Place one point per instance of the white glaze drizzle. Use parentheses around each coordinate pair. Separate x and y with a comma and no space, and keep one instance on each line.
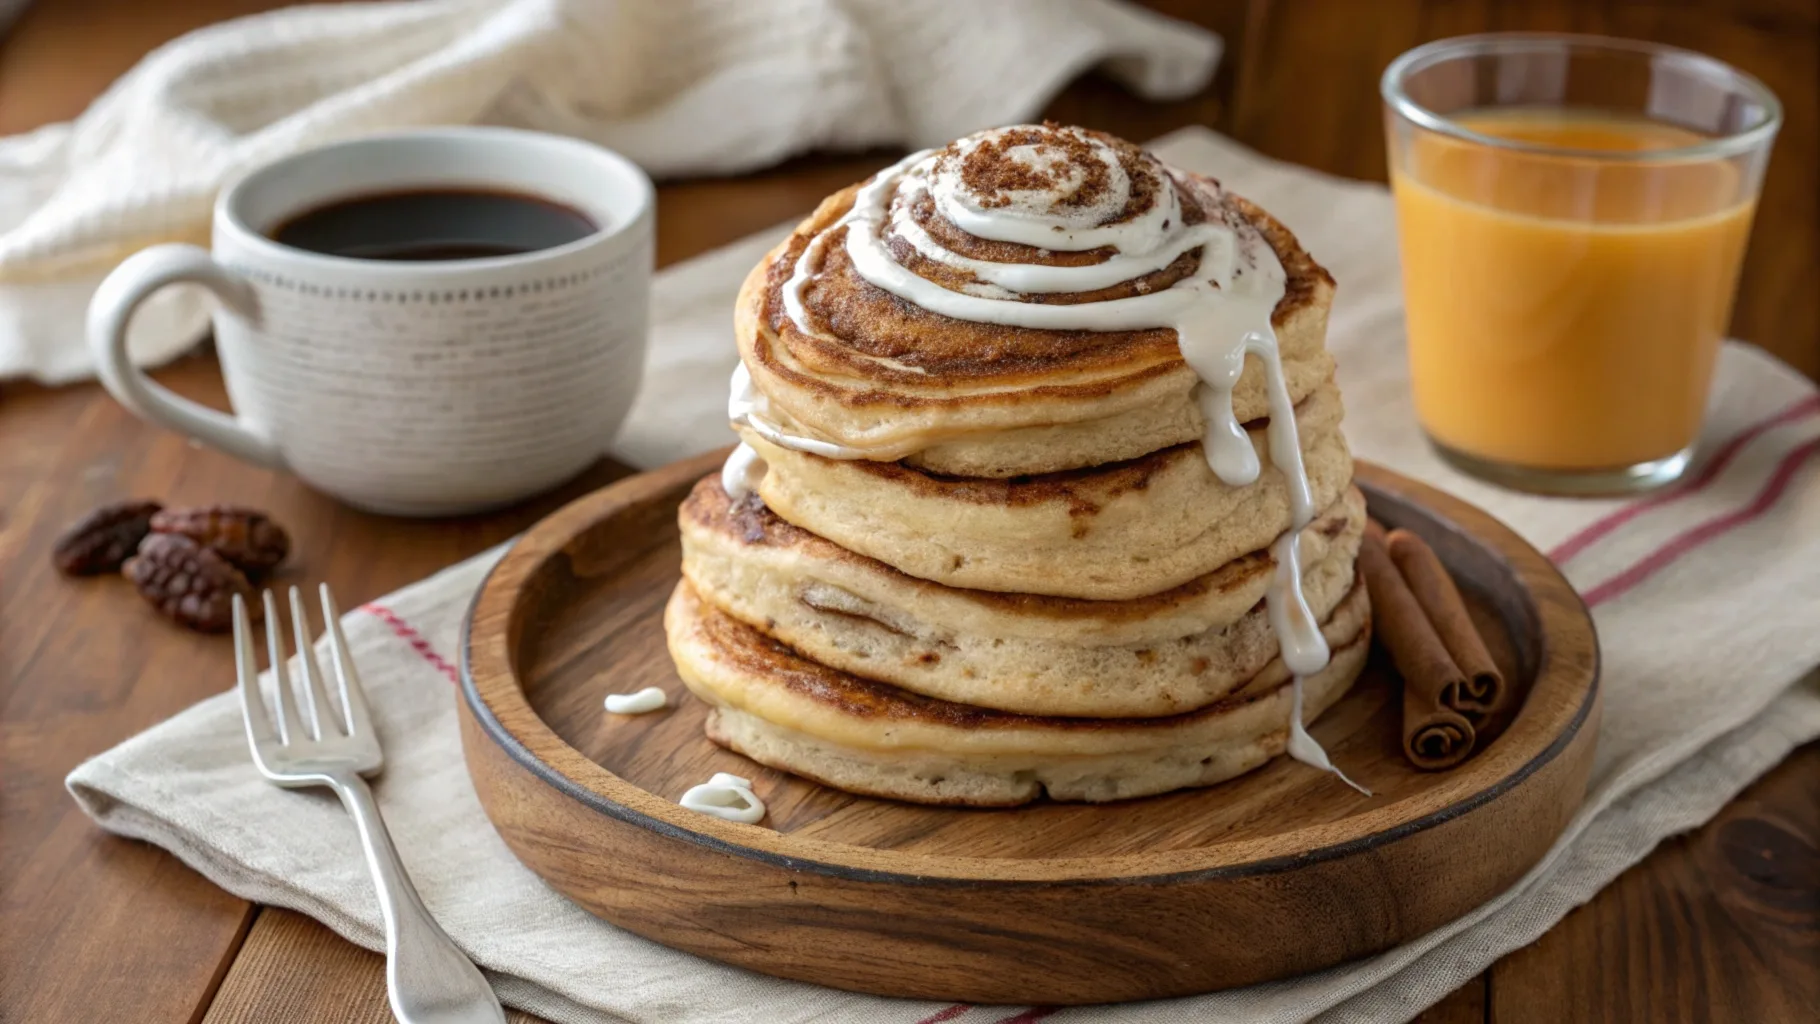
(1306,748)
(1040,279)
(1220,314)
(745,469)
(741,473)
(725,796)
(746,406)
(651,698)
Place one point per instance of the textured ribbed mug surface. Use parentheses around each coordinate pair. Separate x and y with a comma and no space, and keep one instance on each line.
(447,393)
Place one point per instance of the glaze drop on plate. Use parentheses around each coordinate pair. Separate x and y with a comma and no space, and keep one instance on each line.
(726,796)
(651,698)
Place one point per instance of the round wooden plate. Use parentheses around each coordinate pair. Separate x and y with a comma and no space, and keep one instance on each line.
(1278,872)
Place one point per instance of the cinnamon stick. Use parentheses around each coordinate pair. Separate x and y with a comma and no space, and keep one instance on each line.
(1434,738)
(1434,735)
(1482,689)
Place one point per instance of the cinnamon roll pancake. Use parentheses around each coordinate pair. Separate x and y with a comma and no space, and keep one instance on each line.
(1111,532)
(909,374)
(1041,487)
(1163,654)
(789,712)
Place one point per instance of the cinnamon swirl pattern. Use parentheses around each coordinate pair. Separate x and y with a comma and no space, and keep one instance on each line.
(1033,370)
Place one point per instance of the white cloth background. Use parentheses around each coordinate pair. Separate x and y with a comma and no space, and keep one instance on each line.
(1706,601)
(680,86)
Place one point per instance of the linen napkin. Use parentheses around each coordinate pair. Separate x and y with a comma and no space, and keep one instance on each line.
(681,87)
(1705,599)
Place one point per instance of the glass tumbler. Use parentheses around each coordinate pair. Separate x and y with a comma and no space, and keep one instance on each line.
(1572,213)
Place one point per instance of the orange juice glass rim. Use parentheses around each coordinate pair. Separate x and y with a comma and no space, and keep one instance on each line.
(1514,43)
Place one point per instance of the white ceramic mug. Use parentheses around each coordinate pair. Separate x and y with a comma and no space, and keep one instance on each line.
(409,387)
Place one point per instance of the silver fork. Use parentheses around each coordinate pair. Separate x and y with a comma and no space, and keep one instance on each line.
(427,978)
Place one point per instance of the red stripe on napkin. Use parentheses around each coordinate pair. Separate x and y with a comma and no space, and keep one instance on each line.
(949,1014)
(1710,530)
(408,633)
(1695,484)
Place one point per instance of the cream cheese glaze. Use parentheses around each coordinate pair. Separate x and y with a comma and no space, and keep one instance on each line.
(725,796)
(747,407)
(1221,313)
(649,699)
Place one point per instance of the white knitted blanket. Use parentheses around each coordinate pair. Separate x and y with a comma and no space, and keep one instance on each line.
(680,86)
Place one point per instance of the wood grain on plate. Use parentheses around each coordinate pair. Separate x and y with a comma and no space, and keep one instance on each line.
(1052,903)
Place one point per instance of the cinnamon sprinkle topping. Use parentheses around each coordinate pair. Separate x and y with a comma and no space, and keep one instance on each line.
(991,172)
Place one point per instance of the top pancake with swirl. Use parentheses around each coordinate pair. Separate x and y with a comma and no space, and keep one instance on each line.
(837,358)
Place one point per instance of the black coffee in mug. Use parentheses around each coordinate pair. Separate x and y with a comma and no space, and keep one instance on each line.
(435,224)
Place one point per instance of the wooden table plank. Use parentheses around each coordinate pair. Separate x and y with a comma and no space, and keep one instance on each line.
(1722,924)
(294,969)
(81,668)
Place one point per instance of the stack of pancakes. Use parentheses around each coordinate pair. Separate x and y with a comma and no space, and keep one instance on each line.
(971,562)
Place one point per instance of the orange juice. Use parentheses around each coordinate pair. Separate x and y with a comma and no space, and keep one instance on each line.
(1564,309)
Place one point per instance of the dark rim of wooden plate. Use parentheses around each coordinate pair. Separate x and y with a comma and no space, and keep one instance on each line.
(546,755)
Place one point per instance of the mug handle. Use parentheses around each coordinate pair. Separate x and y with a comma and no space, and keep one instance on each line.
(131,283)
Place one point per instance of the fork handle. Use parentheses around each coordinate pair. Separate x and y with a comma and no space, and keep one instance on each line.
(428,979)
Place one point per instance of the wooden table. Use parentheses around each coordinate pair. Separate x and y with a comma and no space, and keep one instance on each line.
(1722,924)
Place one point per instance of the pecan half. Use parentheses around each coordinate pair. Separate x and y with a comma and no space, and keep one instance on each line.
(246,537)
(188,582)
(104,539)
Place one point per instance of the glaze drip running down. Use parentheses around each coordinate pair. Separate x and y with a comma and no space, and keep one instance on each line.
(746,407)
(742,472)
(1050,214)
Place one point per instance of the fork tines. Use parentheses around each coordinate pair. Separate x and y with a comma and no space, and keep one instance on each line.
(325,719)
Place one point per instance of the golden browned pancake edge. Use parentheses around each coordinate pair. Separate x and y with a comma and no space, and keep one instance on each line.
(1156,655)
(872,738)
(995,401)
